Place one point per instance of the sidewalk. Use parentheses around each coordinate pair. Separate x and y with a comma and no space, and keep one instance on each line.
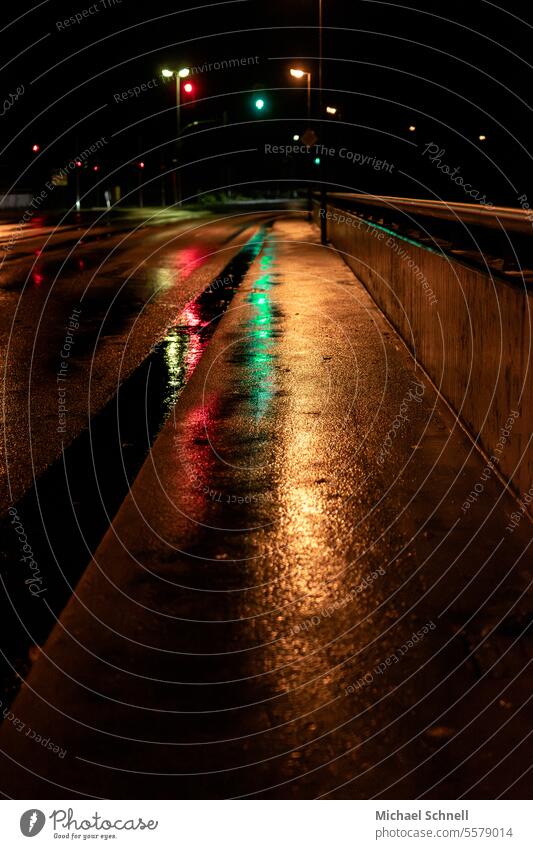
(291,602)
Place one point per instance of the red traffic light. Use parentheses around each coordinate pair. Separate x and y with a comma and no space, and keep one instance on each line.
(79,163)
(96,167)
(36,148)
(188,88)
(141,164)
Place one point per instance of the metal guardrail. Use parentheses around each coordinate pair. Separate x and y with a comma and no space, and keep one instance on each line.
(478,236)
(519,220)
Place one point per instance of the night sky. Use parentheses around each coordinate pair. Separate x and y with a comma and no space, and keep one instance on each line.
(454,71)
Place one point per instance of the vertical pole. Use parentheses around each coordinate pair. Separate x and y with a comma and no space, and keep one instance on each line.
(309,184)
(225,120)
(163,177)
(320,47)
(178,140)
(321,123)
(78,200)
(140,174)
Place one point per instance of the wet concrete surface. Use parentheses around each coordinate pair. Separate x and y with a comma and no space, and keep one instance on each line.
(291,603)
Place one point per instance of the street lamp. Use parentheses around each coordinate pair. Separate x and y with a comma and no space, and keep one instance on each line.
(298,73)
(482,137)
(178,76)
(412,128)
(183,72)
(331,110)
(322,164)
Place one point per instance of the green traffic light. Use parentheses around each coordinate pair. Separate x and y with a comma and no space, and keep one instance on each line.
(317,160)
(259,103)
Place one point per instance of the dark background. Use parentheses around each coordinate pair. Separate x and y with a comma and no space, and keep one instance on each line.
(455,70)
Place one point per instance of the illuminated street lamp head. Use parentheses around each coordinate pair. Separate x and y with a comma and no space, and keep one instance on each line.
(331,110)
(296,137)
(183,72)
(412,128)
(259,103)
(298,73)
(482,137)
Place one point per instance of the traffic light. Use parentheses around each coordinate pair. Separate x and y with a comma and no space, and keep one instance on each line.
(188,88)
(259,103)
(36,148)
(141,164)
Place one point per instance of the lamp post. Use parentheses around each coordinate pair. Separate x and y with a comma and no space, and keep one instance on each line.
(178,76)
(323,193)
(298,73)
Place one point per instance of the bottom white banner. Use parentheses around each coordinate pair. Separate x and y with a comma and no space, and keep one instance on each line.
(267,824)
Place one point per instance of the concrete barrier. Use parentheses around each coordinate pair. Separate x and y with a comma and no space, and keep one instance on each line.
(471,332)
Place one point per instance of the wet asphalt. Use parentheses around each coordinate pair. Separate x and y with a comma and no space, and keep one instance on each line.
(290,603)
(103,293)
(77,436)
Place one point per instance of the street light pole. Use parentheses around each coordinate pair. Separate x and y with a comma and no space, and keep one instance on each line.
(225,119)
(320,47)
(176,174)
(299,73)
(322,166)
(177,185)
(309,188)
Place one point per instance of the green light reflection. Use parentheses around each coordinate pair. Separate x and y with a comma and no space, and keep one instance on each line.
(259,349)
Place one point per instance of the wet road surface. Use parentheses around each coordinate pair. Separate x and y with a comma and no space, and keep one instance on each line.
(68,508)
(290,603)
(98,307)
